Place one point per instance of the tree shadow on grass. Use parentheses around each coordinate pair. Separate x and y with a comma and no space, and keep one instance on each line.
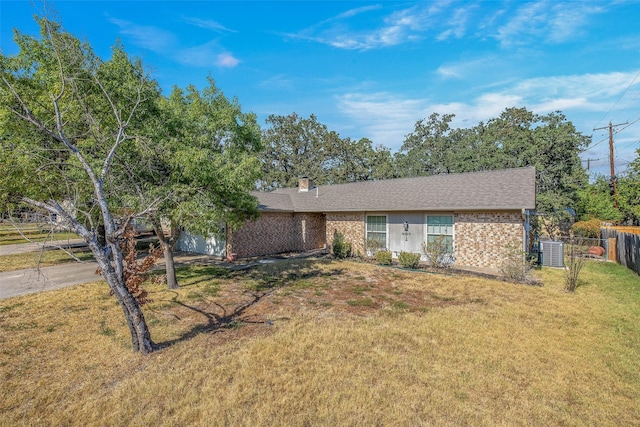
(216,322)
(259,283)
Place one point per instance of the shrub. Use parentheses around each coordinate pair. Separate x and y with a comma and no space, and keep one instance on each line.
(341,248)
(438,252)
(590,228)
(372,247)
(515,265)
(409,259)
(574,260)
(384,257)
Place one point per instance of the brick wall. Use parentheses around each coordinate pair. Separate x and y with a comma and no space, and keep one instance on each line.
(351,225)
(481,237)
(275,232)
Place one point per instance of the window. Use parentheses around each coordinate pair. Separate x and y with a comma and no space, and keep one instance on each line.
(440,225)
(377,230)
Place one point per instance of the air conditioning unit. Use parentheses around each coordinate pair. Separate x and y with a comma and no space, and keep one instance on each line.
(552,253)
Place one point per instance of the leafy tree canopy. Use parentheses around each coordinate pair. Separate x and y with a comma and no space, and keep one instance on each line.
(516,138)
(296,147)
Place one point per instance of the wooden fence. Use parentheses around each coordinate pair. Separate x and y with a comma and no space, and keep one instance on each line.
(627,245)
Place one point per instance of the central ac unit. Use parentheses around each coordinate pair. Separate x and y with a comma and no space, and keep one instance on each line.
(552,253)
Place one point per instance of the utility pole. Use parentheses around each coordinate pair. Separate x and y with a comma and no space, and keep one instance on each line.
(589,163)
(613,172)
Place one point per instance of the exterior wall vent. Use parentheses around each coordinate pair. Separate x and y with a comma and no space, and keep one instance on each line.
(552,253)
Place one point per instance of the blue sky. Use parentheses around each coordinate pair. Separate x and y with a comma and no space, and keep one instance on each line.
(372,69)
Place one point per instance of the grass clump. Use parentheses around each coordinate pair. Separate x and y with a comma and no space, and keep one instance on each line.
(361,302)
(40,259)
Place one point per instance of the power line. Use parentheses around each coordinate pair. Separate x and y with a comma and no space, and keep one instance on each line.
(594,145)
(589,163)
(612,160)
(615,133)
(619,98)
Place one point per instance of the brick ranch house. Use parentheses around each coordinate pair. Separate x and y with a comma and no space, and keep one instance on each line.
(480,213)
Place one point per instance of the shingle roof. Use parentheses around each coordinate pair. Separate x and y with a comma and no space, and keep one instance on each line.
(273,201)
(507,189)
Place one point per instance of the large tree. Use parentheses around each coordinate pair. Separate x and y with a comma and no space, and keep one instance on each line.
(516,138)
(430,149)
(296,147)
(65,114)
(597,199)
(201,166)
(629,192)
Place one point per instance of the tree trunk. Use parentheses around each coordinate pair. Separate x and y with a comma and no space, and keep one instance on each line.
(140,336)
(167,249)
(172,281)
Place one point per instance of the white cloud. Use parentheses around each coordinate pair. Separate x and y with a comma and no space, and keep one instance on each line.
(277,82)
(457,24)
(357,11)
(469,69)
(146,36)
(227,60)
(396,28)
(208,24)
(164,42)
(207,55)
(387,118)
(546,21)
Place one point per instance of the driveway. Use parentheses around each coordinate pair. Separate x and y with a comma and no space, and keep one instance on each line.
(22,282)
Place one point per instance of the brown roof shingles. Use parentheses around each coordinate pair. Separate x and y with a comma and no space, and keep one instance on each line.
(508,189)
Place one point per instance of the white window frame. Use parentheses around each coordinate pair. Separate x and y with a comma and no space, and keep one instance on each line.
(386,228)
(452,234)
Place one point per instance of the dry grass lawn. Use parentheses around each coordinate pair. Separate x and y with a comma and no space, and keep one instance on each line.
(33,232)
(41,259)
(330,343)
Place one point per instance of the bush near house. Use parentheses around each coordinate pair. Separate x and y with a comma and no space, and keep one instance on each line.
(437,252)
(384,257)
(515,265)
(409,259)
(589,228)
(341,248)
(373,246)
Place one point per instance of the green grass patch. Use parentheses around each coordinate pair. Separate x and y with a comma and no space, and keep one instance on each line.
(359,290)
(9,235)
(41,259)
(399,305)
(361,302)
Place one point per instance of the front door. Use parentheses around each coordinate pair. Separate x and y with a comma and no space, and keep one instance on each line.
(406,233)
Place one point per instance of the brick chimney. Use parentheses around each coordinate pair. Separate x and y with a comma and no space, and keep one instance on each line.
(304,184)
